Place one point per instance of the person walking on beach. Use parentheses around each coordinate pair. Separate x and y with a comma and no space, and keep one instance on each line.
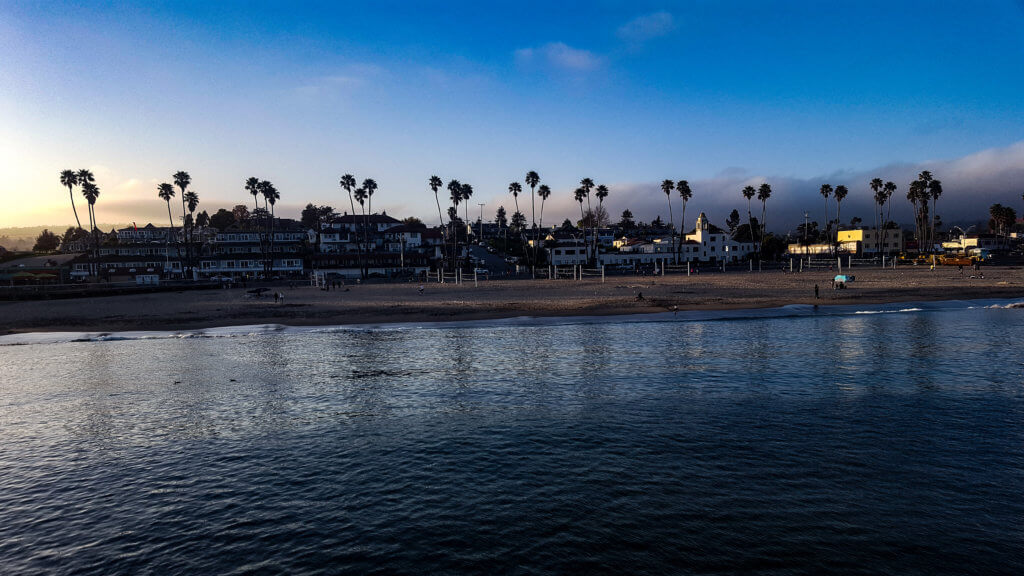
(815,291)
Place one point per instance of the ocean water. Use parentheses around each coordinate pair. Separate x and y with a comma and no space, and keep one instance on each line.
(787,441)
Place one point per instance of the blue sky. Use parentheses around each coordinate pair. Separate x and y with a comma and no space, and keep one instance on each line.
(628,93)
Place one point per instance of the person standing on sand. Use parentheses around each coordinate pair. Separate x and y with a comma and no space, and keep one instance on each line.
(815,291)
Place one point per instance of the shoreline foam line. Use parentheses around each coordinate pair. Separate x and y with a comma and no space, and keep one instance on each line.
(739,314)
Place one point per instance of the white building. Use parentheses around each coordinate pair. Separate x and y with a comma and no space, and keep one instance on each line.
(709,243)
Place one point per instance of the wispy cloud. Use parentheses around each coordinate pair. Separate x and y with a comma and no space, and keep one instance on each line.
(340,83)
(647,27)
(559,55)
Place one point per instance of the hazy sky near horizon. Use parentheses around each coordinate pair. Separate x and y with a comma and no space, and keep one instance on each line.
(722,93)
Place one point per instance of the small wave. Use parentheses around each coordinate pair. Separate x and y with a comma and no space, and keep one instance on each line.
(1007,306)
(779,313)
(901,310)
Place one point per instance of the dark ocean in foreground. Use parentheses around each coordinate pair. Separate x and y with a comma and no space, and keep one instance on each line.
(888,439)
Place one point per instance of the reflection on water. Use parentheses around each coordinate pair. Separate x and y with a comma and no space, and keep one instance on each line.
(854,443)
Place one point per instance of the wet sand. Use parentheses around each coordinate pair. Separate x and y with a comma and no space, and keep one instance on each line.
(383,303)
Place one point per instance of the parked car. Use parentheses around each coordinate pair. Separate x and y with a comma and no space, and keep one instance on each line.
(481,271)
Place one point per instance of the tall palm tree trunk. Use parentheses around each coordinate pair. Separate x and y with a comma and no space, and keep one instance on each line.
(539,226)
(271,239)
(750,223)
(366,265)
(828,228)
(682,230)
(583,223)
(167,242)
(764,227)
(672,227)
(932,245)
(440,220)
(536,230)
(73,209)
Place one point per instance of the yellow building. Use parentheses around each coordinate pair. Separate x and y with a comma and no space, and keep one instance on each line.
(866,241)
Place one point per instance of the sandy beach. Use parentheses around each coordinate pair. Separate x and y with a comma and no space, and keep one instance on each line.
(383,303)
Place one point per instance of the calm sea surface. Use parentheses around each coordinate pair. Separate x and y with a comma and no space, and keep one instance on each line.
(795,442)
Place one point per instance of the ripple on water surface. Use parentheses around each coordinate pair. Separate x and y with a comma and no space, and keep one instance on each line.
(860,443)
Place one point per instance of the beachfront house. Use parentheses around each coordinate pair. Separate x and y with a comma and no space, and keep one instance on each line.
(709,243)
(383,245)
(241,251)
(706,243)
(869,241)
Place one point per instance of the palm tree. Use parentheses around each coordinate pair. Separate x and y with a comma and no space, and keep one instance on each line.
(252,185)
(166,191)
(85,176)
(435,184)
(915,194)
(889,190)
(515,188)
(601,192)
(935,190)
(879,197)
(455,195)
(91,192)
(361,196)
(370,186)
(839,194)
(544,192)
(70,179)
(587,184)
(467,193)
(270,197)
(579,194)
(532,179)
(764,192)
(182,180)
(667,186)
(683,187)
(748,193)
(826,191)
(192,200)
(348,184)
(925,177)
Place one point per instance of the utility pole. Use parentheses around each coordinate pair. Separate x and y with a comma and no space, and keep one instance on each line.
(806,216)
(481,221)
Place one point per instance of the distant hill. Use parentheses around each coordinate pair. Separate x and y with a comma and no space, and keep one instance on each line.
(21,238)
